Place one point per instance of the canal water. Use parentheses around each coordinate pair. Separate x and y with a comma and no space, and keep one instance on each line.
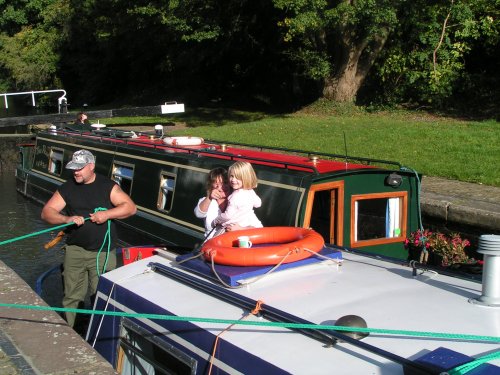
(27,257)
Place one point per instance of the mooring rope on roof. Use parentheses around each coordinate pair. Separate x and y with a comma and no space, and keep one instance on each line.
(443,335)
(459,370)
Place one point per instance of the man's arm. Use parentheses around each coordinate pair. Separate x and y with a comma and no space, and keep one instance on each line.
(123,207)
(51,212)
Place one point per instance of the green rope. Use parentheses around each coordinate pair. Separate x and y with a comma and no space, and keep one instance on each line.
(107,237)
(419,210)
(419,187)
(463,337)
(459,370)
(469,366)
(37,233)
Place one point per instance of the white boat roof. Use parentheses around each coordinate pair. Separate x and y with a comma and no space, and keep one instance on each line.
(384,294)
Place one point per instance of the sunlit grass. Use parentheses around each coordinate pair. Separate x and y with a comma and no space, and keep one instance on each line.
(434,146)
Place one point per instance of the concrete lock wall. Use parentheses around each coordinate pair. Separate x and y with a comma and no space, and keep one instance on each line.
(9,156)
(40,342)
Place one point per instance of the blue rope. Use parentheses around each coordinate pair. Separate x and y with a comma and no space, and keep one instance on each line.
(419,186)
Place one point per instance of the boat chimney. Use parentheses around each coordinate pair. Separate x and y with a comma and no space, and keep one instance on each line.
(159,130)
(489,246)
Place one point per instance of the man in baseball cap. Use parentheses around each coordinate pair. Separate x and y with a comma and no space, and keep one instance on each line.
(87,195)
(80,159)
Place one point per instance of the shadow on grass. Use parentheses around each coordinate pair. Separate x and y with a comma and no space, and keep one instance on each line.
(205,116)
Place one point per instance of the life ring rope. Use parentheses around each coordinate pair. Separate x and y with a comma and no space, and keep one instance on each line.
(336,261)
(256,310)
(242,284)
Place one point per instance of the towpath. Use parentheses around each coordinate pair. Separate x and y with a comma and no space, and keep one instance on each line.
(461,204)
(36,342)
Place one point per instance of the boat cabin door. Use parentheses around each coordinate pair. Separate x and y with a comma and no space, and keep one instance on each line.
(325,210)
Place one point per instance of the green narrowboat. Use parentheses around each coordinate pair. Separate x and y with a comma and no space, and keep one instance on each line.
(357,203)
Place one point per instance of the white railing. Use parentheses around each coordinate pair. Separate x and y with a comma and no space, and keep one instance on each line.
(62,101)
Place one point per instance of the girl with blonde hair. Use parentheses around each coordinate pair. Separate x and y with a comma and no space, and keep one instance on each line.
(243,199)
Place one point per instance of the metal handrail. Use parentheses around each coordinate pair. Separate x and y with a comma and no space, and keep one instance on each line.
(209,151)
(310,154)
(229,156)
(59,100)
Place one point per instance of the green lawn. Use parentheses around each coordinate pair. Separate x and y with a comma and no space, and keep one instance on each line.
(434,146)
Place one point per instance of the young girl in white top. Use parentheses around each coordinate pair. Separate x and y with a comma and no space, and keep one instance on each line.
(243,199)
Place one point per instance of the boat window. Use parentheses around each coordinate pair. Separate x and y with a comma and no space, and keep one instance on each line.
(166,193)
(378,218)
(123,175)
(141,352)
(56,161)
(325,211)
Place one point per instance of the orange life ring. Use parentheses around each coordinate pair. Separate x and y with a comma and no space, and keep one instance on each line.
(289,242)
(183,141)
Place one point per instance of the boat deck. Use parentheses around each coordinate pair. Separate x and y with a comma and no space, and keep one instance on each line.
(385,295)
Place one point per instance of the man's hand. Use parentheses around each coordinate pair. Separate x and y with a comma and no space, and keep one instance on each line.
(99,217)
(78,220)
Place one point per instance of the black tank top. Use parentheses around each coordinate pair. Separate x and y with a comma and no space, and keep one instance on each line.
(82,200)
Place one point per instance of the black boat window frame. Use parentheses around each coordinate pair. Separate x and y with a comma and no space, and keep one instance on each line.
(119,177)
(401,228)
(166,193)
(56,159)
(134,342)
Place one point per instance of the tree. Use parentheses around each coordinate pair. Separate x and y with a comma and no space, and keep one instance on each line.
(29,44)
(203,49)
(337,42)
(425,60)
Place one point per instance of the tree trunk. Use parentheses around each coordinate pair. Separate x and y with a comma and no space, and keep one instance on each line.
(353,67)
(344,86)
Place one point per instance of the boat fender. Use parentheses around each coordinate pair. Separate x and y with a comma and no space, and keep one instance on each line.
(183,141)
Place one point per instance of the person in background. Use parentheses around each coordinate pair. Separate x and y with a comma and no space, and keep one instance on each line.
(81,118)
(73,202)
(243,199)
(214,202)
(81,123)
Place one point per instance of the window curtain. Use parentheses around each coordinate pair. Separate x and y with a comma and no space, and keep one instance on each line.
(392,218)
(355,221)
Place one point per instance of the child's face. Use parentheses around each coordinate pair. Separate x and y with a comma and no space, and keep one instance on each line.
(235,183)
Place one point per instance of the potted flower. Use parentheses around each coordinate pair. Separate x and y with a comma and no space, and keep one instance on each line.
(418,245)
(437,248)
(449,250)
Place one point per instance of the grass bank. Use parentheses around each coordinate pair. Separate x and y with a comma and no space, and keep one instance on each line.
(434,146)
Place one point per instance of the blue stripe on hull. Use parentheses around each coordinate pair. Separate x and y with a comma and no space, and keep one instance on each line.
(185,336)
